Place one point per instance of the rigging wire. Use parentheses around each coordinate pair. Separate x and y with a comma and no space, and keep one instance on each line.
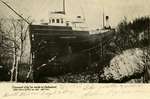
(14,11)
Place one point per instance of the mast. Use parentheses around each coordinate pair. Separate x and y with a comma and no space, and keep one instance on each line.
(64,12)
(63,9)
(103,19)
(83,14)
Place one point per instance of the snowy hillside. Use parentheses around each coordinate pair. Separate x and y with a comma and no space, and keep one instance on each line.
(128,63)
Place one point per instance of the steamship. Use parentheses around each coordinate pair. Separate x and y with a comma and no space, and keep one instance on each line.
(62,45)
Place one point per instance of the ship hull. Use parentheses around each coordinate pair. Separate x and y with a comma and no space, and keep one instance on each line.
(59,50)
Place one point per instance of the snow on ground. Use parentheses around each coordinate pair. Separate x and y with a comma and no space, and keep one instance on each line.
(130,62)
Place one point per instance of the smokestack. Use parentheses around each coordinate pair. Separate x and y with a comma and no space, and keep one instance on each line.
(107,23)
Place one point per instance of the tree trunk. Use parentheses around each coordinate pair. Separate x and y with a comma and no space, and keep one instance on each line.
(16,70)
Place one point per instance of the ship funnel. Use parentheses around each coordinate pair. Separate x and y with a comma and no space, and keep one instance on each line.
(107,26)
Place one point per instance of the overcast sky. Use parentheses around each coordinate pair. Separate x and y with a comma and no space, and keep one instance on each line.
(92,9)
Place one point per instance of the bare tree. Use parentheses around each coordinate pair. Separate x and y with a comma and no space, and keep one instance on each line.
(21,29)
(7,43)
(14,70)
(14,32)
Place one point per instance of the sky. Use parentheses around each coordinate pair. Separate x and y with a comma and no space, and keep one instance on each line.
(91,9)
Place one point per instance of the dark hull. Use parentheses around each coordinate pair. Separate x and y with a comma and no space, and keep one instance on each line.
(61,50)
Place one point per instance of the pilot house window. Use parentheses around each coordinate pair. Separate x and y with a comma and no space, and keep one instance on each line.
(53,20)
(57,20)
(62,21)
(49,20)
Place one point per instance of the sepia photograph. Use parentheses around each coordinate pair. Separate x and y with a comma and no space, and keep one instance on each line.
(75,41)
